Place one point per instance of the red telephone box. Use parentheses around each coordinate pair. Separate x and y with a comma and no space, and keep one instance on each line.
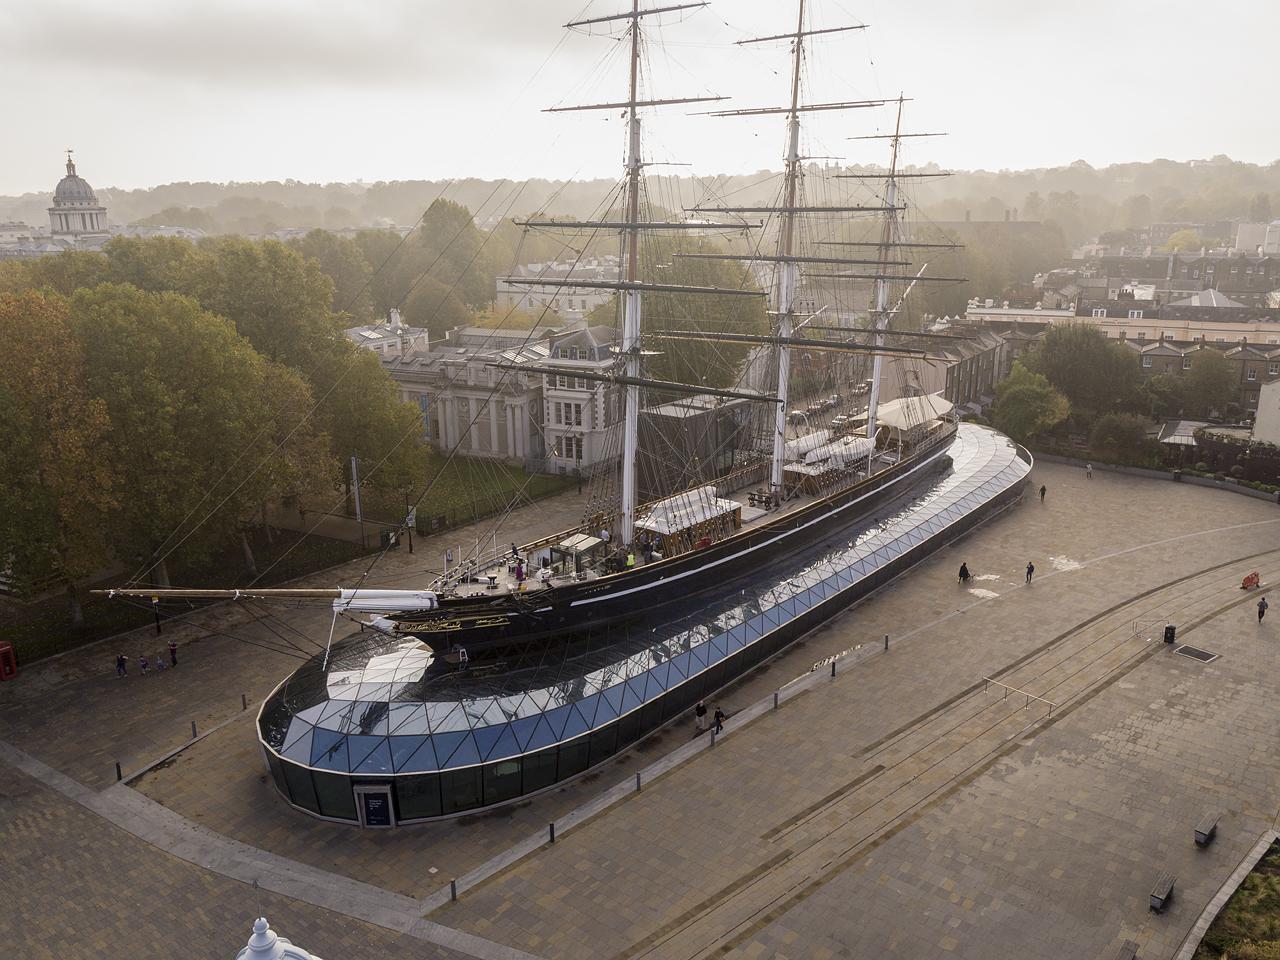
(8,661)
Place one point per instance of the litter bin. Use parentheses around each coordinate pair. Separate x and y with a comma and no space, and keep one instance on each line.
(1170,633)
(1177,475)
(8,661)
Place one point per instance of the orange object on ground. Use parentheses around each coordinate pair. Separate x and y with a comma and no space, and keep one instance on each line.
(1250,581)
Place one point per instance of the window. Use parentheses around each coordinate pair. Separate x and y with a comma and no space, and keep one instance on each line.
(1186,363)
(577,416)
(557,408)
(1251,374)
(1273,340)
(1219,339)
(1146,361)
(1135,314)
(1099,312)
(1273,369)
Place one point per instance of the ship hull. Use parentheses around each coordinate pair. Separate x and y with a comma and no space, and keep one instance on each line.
(513,620)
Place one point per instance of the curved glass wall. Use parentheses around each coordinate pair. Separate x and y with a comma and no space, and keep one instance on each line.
(385,711)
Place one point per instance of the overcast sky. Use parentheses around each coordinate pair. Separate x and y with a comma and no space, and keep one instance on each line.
(155,91)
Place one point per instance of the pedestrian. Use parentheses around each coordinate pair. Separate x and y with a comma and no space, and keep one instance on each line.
(159,662)
(122,666)
(515,552)
(1031,568)
(1043,491)
(631,559)
(173,653)
(1088,471)
(604,534)
(964,573)
(519,570)
(700,716)
(142,663)
(1262,609)
(719,718)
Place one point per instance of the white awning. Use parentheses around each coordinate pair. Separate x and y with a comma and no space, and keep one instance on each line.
(685,510)
(846,450)
(797,448)
(908,412)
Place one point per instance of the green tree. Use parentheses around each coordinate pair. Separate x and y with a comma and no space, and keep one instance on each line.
(57,481)
(344,263)
(154,263)
(1260,208)
(64,273)
(1096,374)
(1136,211)
(1164,395)
(1210,383)
(189,420)
(1026,404)
(1120,437)
(433,305)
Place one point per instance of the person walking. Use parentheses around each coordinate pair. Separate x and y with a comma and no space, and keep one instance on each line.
(700,717)
(1043,491)
(1031,568)
(173,653)
(1262,609)
(122,666)
(1088,471)
(719,718)
(964,573)
(142,663)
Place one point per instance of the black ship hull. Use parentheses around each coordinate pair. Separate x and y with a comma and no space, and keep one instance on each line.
(485,625)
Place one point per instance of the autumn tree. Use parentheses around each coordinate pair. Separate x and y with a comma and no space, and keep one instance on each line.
(58,485)
(343,262)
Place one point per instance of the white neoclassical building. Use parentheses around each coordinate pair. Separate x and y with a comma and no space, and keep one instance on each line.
(266,945)
(76,211)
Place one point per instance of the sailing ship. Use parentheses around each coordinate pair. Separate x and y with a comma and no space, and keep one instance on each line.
(649,560)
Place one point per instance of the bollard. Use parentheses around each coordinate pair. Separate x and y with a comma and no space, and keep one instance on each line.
(453,890)
(193,729)
(775,699)
(244,702)
(552,828)
(119,775)
(886,643)
(637,781)
(713,736)
(833,669)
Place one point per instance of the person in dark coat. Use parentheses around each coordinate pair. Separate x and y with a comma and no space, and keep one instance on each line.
(173,653)
(964,573)
(719,719)
(122,666)
(1031,568)
(1262,609)
(700,716)
(1043,491)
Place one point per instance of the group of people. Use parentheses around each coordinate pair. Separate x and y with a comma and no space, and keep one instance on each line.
(700,718)
(145,663)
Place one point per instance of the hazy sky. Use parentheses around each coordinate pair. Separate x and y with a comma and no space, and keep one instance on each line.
(154,91)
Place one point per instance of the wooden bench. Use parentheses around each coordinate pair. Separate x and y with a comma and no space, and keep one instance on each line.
(1162,892)
(1128,951)
(1206,828)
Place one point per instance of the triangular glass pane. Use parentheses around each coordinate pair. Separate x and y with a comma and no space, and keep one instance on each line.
(329,750)
(299,750)
(630,699)
(405,748)
(542,736)
(556,720)
(406,719)
(378,760)
(505,747)
(523,728)
(587,707)
(486,737)
(466,754)
(446,743)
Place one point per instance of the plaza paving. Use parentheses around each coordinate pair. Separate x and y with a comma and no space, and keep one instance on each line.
(902,809)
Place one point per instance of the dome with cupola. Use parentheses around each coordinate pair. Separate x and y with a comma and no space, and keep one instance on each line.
(76,210)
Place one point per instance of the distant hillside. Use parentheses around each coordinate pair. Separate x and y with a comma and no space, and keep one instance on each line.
(1081,200)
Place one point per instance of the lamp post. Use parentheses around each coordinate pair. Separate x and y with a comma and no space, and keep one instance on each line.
(410,518)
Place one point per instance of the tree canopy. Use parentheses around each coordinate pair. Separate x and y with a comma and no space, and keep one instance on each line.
(1210,384)
(1096,374)
(1026,404)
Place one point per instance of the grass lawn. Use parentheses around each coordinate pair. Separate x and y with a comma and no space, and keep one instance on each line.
(1248,928)
(467,490)
(42,629)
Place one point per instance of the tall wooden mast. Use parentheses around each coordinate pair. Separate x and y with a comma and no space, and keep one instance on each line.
(888,236)
(630,345)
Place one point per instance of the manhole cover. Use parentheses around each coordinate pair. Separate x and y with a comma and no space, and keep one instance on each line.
(1195,653)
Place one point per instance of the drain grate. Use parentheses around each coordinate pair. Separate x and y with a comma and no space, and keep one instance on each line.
(1195,653)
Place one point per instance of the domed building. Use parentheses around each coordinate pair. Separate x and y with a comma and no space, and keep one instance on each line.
(76,211)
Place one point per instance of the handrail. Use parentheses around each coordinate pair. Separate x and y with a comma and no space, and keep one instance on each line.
(1030,696)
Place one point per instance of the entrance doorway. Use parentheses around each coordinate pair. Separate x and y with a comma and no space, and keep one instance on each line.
(373,803)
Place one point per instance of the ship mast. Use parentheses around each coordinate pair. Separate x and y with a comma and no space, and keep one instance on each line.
(788,269)
(888,236)
(630,345)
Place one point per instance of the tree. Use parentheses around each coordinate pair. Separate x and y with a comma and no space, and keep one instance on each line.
(64,273)
(57,481)
(154,263)
(1136,211)
(434,306)
(1185,240)
(344,263)
(1164,395)
(1026,404)
(1096,374)
(1120,437)
(1210,383)
(190,421)
(1260,208)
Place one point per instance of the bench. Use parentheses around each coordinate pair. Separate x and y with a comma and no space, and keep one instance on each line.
(1206,828)
(1162,892)
(1128,951)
